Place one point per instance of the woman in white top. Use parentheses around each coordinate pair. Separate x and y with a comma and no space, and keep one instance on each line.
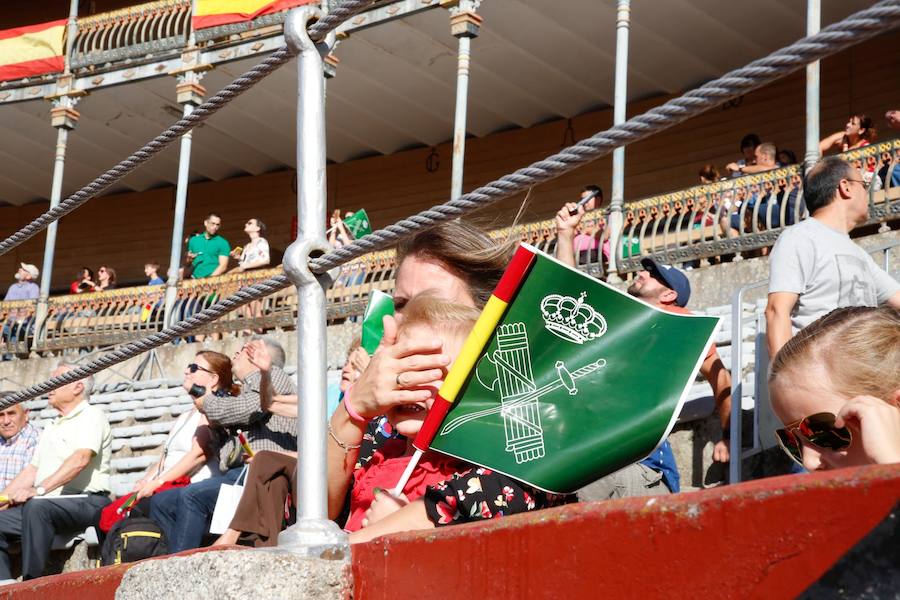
(187,452)
(253,256)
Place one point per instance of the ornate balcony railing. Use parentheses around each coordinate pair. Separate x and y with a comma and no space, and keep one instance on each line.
(135,32)
(727,217)
(745,213)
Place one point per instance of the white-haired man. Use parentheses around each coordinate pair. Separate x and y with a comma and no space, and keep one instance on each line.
(65,485)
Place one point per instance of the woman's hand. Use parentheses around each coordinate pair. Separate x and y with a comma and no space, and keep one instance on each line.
(395,370)
(878,424)
(146,490)
(385,503)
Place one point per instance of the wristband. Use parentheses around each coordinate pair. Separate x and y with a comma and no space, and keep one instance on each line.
(726,434)
(354,416)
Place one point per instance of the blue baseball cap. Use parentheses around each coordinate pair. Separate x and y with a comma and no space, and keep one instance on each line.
(672,278)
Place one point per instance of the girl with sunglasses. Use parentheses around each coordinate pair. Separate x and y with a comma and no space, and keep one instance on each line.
(836,387)
(188,454)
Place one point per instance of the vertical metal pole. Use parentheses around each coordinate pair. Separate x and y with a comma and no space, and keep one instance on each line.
(623,22)
(464,25)
(813,24)
(314,534)
(63,116)
(189,93)
(459,122)
(181,187)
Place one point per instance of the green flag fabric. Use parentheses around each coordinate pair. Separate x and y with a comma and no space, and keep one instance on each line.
(380,304)
(577,381)
(358,224)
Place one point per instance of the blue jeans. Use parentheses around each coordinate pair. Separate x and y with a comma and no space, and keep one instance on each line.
(184,513)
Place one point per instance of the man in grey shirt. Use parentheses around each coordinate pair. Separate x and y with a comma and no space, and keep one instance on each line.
(815,267)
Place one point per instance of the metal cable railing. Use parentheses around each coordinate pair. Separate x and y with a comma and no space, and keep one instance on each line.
(858,27)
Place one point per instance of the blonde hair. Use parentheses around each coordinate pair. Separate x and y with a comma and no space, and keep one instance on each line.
(446,317)
(853,347)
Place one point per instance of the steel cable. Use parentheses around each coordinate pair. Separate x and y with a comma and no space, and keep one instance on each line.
(856,28)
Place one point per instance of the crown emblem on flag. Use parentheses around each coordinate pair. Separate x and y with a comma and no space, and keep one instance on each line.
(571,318)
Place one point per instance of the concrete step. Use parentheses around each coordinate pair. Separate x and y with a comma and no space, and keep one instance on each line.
(127,432)
(118,417)
(132,463)
(146,442)
(145,414)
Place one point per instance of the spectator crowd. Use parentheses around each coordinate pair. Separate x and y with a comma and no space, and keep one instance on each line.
(833,332)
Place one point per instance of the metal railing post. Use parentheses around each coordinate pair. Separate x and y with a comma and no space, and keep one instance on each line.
(617,199)
(464,25)
(314,535)
(63,117)
(813,24)
(189,94)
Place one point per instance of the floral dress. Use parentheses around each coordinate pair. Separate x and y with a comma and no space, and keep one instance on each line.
(474,494)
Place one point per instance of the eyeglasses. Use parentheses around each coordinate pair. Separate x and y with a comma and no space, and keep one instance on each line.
(194,367)
(865,184)
(817,430)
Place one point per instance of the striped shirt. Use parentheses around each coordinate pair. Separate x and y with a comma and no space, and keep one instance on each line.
(264,430)
(16,452)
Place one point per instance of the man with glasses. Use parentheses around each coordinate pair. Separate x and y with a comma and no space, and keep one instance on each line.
(815,267)
(208,251)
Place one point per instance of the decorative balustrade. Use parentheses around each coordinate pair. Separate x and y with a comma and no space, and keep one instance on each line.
(727,217)
(135,32)
(745,213)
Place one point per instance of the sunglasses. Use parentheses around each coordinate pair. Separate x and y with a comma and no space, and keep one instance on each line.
(194,367)
(817,430)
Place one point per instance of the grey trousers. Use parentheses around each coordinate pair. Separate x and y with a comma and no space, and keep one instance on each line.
(634,480)
(36,522)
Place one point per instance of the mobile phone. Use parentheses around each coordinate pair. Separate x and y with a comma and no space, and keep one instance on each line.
(197,391)
(582,202)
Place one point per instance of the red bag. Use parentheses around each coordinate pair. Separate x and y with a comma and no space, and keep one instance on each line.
(111,515)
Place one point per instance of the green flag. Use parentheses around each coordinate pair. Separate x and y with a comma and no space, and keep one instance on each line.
(358,224)
(380,304)
(577,379)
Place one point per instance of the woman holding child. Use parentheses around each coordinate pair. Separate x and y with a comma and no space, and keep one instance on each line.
(445,275)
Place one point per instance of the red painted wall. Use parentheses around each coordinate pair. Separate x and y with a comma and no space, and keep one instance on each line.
(764,539)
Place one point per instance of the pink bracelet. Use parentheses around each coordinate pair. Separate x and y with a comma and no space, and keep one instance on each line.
(354,416)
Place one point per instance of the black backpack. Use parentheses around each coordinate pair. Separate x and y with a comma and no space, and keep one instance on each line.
(132,539)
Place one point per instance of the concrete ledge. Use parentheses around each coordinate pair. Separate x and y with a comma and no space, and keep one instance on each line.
(247,574)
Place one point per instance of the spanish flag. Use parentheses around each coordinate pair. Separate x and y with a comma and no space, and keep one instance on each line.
(212,13)
(32,50)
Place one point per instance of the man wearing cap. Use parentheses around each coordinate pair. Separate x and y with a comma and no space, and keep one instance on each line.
(25,287)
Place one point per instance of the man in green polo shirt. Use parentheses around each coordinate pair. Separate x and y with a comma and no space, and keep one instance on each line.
(65,486)
(208,251)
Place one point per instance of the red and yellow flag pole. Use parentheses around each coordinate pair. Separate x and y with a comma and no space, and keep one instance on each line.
(472,349)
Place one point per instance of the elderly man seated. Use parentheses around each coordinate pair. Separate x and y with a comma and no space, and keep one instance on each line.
(66,483)
(18,439)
